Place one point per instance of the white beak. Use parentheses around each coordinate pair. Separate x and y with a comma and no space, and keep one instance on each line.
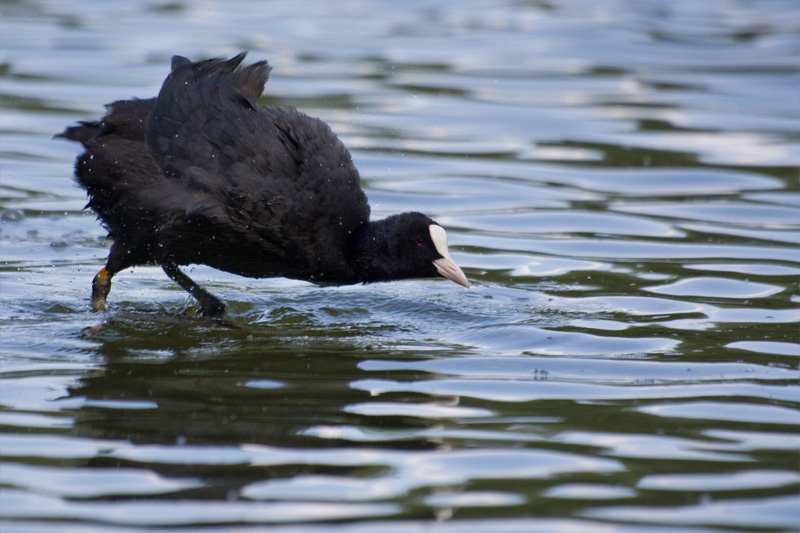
(446,266)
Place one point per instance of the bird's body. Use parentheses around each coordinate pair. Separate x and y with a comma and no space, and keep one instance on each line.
(204,175)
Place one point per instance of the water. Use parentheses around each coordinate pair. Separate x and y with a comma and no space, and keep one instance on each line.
(619,180)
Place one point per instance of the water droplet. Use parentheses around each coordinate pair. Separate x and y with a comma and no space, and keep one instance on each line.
(12,215)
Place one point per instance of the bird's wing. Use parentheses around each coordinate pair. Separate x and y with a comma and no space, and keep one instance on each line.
(192,98)
(273,170)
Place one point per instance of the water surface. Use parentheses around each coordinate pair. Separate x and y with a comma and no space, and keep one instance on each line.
(619,180)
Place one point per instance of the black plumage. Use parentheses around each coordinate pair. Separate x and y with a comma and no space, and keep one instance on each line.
(204,175)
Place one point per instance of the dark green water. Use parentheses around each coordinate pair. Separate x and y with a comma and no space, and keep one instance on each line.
(619,180)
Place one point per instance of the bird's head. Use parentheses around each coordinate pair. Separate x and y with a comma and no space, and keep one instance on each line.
(411,245)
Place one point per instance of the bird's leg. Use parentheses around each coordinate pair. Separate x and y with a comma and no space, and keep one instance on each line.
(210,305)
(101,285)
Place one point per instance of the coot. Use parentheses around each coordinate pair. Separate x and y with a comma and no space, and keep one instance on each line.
(202,174)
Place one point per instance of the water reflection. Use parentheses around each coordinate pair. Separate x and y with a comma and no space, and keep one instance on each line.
(220,387)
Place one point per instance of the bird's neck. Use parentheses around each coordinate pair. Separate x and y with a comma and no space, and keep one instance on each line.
(369,251)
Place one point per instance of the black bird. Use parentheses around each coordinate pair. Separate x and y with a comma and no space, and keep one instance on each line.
(202,174)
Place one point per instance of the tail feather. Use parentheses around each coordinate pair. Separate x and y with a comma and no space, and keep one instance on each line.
(115,163)
(85,132)
(125,119)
